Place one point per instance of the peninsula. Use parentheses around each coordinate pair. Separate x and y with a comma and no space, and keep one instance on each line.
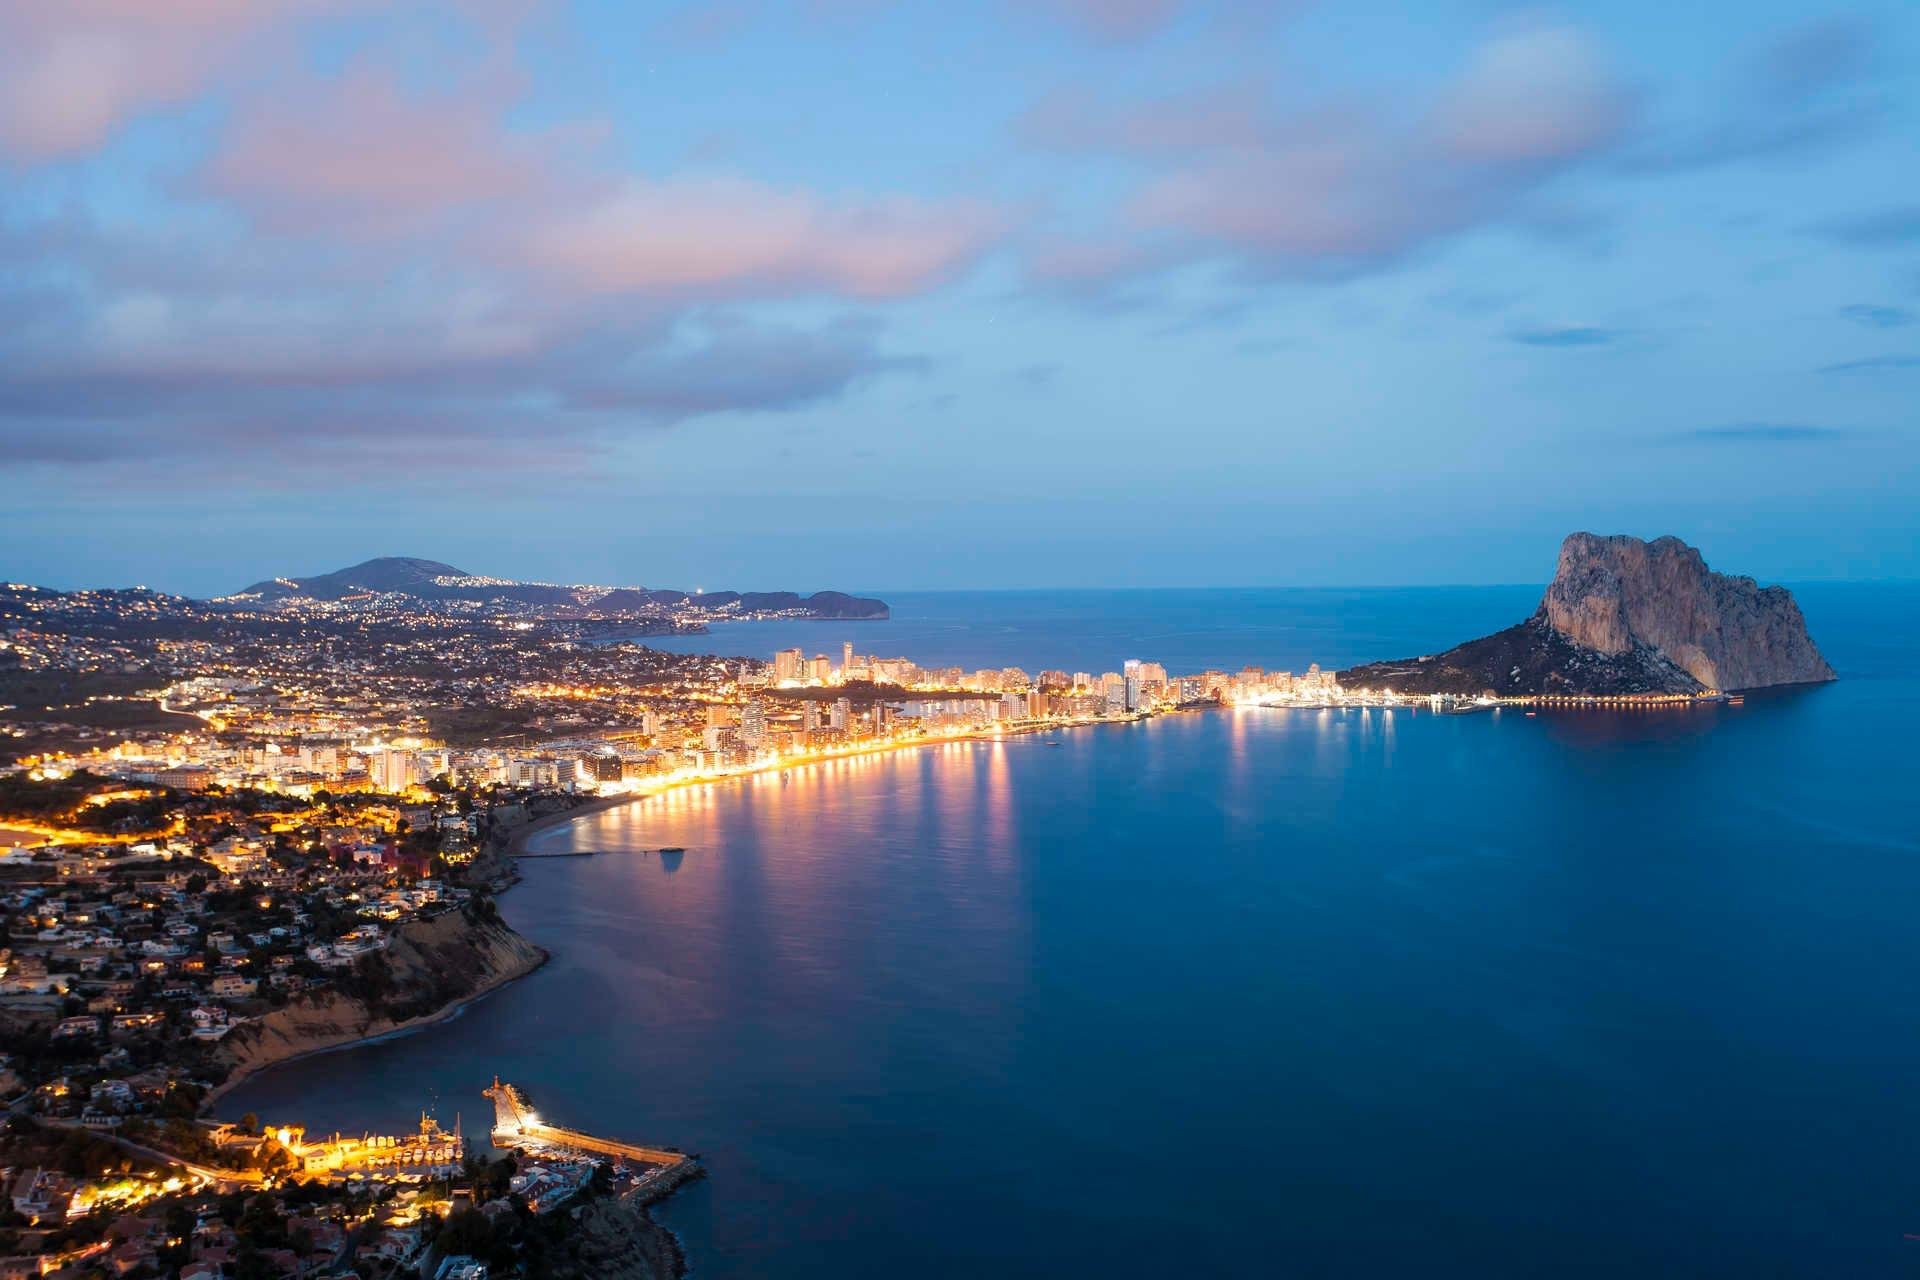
(1623,617)
(409,581)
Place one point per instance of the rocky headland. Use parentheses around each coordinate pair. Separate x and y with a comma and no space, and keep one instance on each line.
(1625,616)
(428,972)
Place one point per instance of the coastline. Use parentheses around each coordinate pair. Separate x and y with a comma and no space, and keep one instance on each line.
(669,1253)
(515,846)
(366,1034)
(515,849)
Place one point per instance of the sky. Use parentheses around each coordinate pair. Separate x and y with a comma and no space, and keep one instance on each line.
(871,294)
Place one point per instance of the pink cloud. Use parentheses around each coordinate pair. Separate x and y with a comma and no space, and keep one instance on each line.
(731,235)
(441,178)
(78,70)
(410,266)
(359,155)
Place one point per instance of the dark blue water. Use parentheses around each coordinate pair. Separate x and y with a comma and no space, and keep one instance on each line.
(1257,992)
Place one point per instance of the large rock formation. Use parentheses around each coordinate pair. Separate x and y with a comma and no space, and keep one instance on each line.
(1626,616)
(1611,594)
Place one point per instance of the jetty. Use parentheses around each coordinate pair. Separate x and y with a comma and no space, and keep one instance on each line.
(517,1124)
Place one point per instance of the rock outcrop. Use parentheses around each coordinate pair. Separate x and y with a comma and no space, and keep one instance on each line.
(1613,594)
(618,1240)
(1626,616)
(429,970)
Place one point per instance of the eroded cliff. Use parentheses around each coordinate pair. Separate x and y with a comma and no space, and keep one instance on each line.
(1611,594)
(430,968)
(1626,616)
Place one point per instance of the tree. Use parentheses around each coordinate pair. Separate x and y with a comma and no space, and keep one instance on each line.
(467,1231)
(261,1224)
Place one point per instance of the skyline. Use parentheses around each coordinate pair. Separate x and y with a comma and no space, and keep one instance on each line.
(879,297)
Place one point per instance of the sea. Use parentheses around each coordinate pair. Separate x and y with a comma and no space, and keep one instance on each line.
(1244,992)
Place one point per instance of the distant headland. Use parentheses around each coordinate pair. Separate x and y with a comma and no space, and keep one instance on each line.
(428,582)
(1623,616)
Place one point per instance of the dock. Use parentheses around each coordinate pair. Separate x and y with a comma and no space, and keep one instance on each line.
(516,1124)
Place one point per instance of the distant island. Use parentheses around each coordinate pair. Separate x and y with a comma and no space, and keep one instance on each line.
(430,583)
(1623,616)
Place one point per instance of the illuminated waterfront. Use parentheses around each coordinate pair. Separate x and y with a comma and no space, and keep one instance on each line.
(1354,989)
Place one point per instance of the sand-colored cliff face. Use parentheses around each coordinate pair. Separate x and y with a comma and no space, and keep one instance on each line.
(1614,594)
(431,968)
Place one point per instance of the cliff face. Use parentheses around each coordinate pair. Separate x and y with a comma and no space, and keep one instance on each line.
(1625,616)
(1613,594)
(619,1240)
(430,967)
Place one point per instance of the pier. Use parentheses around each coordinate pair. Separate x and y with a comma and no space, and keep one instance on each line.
(1628,700)
(516,1123)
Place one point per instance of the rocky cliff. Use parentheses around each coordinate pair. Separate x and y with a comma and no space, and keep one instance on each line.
(1613,594)
(618,1240)
(429,970)
(1626,616)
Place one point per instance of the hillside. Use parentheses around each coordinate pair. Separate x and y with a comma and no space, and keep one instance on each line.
(433,582)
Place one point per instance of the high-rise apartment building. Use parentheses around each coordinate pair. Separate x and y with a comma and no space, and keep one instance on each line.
(788,664)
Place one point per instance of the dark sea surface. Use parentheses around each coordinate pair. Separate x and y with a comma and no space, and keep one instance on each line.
(1253,992)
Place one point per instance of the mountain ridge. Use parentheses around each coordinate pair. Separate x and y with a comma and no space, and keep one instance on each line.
(437,582)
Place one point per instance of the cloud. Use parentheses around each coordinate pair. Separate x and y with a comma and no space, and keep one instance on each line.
(79,70)
(709,22)
(361,158)
(1873,364)
(380,265)
(584,388)
(1877,317)
(1339,187)
(1765,433)
(1238,114)
(725,234)
(1567,336)
(1114,20)
(357,155)
(734,366)
(1833,52)
(1535,94)
(1890,228)
(1804,93)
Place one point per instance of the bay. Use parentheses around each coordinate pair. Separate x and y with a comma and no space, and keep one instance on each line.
(1247,992)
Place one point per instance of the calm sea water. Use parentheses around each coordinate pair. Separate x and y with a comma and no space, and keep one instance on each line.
(1188,630)
(1250,993)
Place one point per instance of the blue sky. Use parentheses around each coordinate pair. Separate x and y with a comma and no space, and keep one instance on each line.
(869,294)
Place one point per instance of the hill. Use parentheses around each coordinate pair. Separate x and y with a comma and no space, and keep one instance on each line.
(1625,616)
(433,582)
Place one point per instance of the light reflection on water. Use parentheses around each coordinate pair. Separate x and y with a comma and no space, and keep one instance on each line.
(1608,993)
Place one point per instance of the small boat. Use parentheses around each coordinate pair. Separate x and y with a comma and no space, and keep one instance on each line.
(673,848)
(1532,714)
